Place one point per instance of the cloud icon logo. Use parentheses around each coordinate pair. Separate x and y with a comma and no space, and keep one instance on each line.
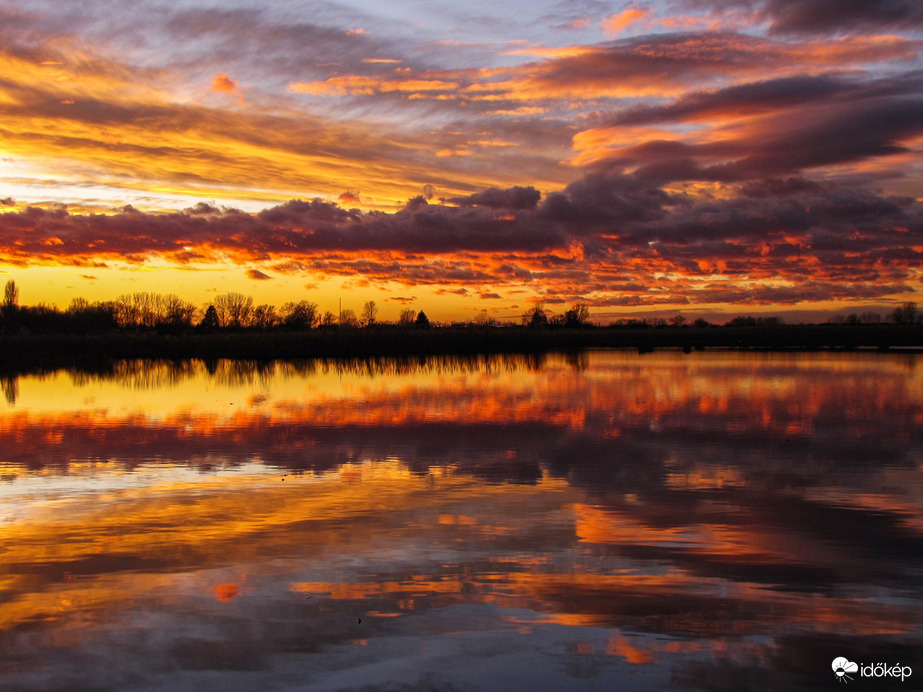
(842,666)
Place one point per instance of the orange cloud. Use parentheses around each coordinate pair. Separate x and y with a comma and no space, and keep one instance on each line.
(225,85)
(617,23)
(366,85)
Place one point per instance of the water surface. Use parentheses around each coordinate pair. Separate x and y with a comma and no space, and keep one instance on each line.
(605,520)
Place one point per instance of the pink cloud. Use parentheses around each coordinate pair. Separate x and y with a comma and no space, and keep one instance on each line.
(617,23)
(225,85)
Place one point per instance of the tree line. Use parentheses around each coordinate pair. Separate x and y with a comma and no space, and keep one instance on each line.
(169,313)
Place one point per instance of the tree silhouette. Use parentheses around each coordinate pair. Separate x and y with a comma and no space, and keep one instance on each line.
(265,317)
(234,309)
(10,305)
(535,316)
(177,312)
(407,318)
(577,316)
(328,320)
(10,296)
(369,313)
(484,319)
(210,320)
(905,314)
(300,315)
(422,320)
(10,387)
(348,318)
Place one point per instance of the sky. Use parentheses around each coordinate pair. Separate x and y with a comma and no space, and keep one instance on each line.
(697,157)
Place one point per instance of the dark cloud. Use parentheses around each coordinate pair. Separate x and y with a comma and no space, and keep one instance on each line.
(829,16)
(751,98)
(257,275)
(512,198)
(605,197)
(604,236)
(793,125)
(663,63)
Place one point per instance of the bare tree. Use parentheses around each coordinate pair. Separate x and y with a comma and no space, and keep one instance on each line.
(369,313)
(328,320)
(141,309)
(177,312)
(407,318)
(77,305)
(234,309)
(126,313)
(484,319)
(348,318)
(264,316)
(535,316)
(10,296)
(905,314)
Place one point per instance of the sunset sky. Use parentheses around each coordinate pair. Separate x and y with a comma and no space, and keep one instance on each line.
(708,157)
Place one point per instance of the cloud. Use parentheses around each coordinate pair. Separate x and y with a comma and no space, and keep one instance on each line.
(777,161)
(604,237)
(617,23)
(828,16)
(257,275)
(495,198)
(127,127)
(768,129)
(225,85)
(353,84)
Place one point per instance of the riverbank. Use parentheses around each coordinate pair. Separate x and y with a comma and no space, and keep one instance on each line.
(44,351)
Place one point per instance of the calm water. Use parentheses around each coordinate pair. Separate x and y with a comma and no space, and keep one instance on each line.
(594,522)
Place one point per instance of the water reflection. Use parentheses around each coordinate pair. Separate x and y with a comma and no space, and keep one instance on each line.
(601,520)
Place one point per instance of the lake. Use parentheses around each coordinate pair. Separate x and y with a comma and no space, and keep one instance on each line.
(592,521)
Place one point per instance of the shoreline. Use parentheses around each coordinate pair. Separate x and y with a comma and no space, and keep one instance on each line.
(42,351)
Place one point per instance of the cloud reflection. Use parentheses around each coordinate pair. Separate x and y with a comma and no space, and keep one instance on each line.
(676,514)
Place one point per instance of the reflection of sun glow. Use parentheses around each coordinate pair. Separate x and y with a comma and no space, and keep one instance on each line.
(654,506)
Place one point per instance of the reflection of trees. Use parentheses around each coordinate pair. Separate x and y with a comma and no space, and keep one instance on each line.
(145,374)
(155,374)
(440,365)
(10,386)
(578,360)
(138,374)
